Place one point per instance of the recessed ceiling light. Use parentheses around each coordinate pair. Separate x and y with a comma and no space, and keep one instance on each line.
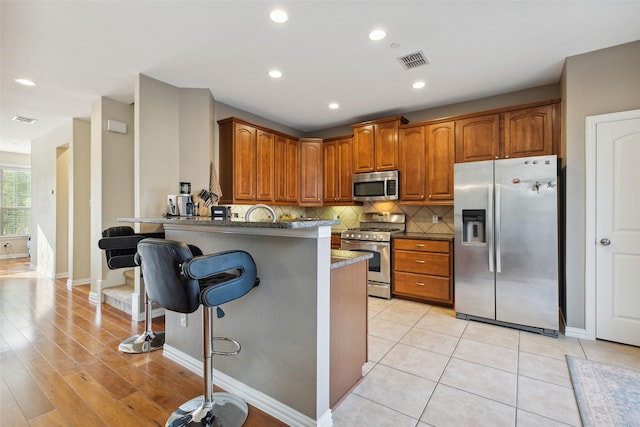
(334,105)
(279,16)
(25,82)
(376,35)
(418,85)
(275,74)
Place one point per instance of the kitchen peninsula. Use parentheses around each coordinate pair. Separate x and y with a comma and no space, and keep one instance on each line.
(283,324)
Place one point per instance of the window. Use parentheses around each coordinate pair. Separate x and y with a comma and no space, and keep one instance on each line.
(15,203)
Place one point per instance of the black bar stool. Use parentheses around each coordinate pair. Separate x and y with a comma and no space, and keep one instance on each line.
(181,282)
(119,244)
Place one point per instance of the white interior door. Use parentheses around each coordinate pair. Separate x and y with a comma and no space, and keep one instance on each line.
(617,230)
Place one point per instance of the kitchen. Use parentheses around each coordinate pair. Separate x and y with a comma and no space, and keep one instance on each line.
(578,82)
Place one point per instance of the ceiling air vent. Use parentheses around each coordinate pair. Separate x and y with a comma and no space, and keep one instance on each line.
(24,120)
(413,60)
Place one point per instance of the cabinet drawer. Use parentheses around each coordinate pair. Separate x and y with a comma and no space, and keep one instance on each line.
(422,286)
(422,245)
(421,262)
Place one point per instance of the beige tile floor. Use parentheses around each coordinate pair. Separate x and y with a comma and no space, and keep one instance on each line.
(427,368)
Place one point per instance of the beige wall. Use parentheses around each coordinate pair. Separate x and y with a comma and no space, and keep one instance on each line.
(62,211)
(111,184)
(80,204)
(43,197)
(599,82)
(156,149)
(195,143)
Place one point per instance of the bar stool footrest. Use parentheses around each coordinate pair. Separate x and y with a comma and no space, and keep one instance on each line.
(236,344)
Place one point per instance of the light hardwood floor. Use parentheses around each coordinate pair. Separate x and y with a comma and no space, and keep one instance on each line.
(60,366)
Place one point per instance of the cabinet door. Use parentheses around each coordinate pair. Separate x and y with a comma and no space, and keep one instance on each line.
(244,160)
(311,173)
(264,166)
(330,184)
(386,146)
(363,149)
(287,158)
(344,171)
(528,132)
(413,164)
(477,138)
(440,152)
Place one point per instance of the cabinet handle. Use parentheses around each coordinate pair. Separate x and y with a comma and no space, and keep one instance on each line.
(419,284)
(419,245)
(429,195)
(420,261)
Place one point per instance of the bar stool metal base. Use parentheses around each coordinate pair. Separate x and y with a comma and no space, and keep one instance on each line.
(228,410)
(142,343)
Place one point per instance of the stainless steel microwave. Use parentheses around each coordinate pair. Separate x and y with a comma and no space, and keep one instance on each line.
(375,186)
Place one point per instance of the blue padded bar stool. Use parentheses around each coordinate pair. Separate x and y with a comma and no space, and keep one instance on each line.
(181,282)
(119,244)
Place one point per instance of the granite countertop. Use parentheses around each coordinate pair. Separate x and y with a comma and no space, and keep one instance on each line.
(208,221)
(343,258)
(424,236)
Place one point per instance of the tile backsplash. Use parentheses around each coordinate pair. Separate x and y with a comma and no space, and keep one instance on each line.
(419,218)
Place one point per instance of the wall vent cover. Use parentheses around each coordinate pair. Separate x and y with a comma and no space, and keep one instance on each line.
(413,60)
(24,119)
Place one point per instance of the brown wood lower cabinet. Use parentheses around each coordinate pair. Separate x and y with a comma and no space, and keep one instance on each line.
(423,270)
(348,322)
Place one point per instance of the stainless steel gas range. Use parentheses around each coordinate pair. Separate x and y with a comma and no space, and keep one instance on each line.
(374,236)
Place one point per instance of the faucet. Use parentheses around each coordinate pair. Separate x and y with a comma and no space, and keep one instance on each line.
(260,205)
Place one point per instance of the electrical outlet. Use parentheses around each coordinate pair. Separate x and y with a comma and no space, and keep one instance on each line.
(434,219)
(183,320)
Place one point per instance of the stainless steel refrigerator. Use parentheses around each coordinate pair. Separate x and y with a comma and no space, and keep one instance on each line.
(506,242)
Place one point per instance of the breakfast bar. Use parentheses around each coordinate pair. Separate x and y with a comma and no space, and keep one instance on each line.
(283,325)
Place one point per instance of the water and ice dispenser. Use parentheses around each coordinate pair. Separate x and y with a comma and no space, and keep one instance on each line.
(474,227)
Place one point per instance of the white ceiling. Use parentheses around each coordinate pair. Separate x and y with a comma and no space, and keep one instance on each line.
(78,51)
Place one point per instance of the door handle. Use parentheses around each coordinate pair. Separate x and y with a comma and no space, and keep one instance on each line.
(605,242)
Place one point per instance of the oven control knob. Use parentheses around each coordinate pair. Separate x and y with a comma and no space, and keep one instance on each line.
(366,236)
(359,236)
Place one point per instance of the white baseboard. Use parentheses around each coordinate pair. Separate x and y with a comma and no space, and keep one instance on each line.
(95,298)
(576,333)
(12,256)
(78,282)
(254,397)
(62,275)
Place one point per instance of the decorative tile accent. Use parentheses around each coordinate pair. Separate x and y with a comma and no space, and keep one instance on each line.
(419,218)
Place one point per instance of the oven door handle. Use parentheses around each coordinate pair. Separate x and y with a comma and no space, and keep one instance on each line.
(366,243)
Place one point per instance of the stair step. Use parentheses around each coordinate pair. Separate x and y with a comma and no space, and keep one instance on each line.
(119,297)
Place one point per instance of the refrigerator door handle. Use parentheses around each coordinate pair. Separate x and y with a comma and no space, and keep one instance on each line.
(497,233)
(489,225)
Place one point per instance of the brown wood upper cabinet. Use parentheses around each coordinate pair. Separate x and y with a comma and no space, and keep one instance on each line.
(528,132)
(248,163)
(310,172)
(375,145)
(337,170)
(287,170)
(426,163)
(509,133)
(478,138)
